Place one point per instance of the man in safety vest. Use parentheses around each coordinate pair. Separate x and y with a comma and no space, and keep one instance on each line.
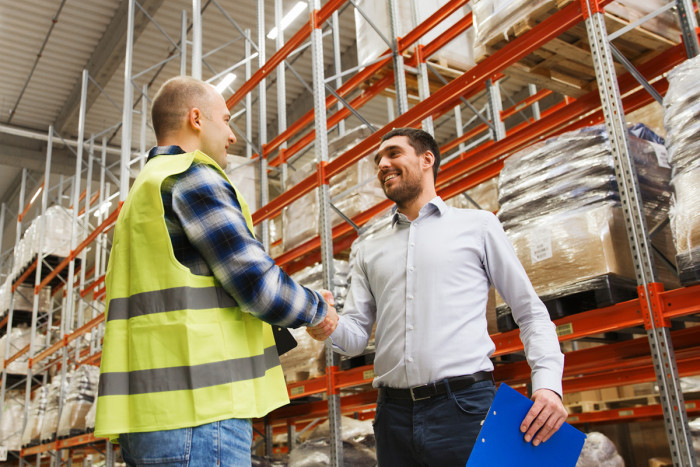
(189,357)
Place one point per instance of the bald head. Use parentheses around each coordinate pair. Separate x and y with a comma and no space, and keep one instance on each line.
(173,102)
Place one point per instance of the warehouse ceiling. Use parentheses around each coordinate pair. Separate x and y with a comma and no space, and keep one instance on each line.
(48,43)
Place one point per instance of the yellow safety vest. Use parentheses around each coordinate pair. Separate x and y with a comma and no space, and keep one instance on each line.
(177,351)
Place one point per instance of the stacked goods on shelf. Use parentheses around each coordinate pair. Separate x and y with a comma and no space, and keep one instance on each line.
(682,121)
(630,11)
(496,20)
(354,191)
(359,446)
(35,417)
(79,400)
(11,422)
(483,196)
(560,206)
(244,175)
(457,54)
(56,240)
(55,399)
(20,337)
(90,417)
(307,360)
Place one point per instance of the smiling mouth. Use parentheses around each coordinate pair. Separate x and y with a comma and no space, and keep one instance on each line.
(390,177)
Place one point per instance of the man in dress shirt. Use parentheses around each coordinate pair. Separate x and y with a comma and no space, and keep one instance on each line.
(425,282)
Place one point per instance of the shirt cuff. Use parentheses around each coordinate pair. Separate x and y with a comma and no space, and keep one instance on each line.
(547,380)
(338,335)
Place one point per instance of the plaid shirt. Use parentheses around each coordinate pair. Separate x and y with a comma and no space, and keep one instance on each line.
(210,236)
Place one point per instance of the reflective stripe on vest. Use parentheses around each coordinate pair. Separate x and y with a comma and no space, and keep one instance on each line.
(187,377)
(174,299)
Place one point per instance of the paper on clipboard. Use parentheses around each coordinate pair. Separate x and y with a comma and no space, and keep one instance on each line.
(501,443)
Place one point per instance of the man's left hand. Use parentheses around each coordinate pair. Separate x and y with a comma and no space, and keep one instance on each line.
(545,417)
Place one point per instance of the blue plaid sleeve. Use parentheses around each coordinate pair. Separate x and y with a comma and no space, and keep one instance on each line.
(213,222)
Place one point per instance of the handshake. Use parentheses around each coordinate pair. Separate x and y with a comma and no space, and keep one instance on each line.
(325,328)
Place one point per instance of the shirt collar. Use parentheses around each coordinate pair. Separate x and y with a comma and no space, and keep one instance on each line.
(168,150)
(434,204)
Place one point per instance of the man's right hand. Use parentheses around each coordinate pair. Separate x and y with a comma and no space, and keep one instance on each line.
(325,328)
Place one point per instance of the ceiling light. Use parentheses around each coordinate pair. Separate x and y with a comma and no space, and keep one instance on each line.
(103,208)
(224,83)
(36,194)
(288,18)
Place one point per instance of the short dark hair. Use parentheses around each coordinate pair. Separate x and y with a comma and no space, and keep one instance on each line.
(174,100)
(421,141)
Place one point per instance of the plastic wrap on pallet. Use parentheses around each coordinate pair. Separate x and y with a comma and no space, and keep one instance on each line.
(35,416)
(574,170)
(5,296)
(357,190)
(79,399)
(359,446)
(24,298)
(20,336)
(90,417)
(56,238)
(312,278)
(494,18)
(58,390)
(682,116)
(245,176)
(599,450)
(482,196)
(564,249)
(457,54)
(684,215)
(12,419)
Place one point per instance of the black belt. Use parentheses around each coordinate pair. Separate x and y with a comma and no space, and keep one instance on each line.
(436,388)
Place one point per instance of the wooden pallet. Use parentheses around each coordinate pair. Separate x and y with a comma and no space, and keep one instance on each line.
(589,294)
(621,403)
(565,64)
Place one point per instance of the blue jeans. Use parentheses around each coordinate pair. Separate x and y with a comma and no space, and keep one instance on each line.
(440,431)
(224,443)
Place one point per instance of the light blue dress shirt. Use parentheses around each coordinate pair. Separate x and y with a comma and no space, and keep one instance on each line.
(426,284)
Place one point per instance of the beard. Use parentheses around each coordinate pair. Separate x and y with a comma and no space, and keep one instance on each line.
(408,189)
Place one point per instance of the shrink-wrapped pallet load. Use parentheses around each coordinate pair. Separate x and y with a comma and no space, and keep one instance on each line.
(54,401)
(682,122)
(20,337)
(560,206)
(245,176)
(12,419)
(370,45)
(35,417)
(78,402)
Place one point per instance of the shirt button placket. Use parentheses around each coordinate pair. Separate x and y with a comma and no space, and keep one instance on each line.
(410,302)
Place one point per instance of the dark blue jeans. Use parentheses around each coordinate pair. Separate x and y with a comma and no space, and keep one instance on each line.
(224,443)
(440,431)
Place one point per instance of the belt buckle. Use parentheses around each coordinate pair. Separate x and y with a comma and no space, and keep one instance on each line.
(414,398)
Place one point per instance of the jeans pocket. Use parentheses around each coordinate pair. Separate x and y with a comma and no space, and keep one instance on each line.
(166,448)
(475,400)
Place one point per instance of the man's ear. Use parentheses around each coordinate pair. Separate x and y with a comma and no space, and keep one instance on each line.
(194,118)
(428,160)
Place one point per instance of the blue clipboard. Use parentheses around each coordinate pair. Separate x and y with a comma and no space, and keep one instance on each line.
(501,443)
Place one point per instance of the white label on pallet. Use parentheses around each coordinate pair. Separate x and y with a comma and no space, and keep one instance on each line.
(3,453)
(540,246)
